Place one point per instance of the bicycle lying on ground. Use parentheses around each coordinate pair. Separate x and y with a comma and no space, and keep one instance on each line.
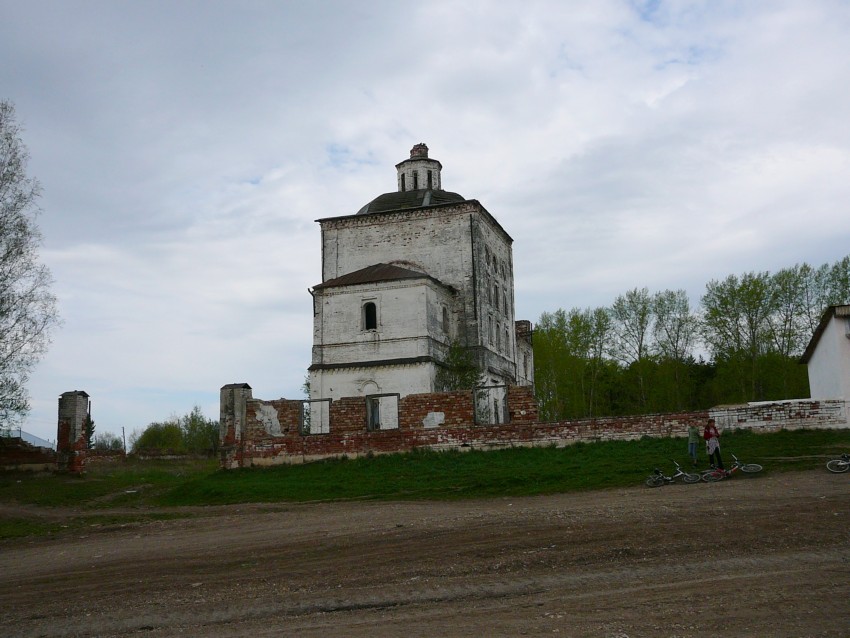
(715,474)
(658,478)
(839,465)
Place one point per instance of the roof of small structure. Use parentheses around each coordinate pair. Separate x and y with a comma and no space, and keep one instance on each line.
(421,198)
(376,273)
(829,313)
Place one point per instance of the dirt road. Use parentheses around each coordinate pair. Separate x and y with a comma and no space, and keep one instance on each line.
(764,556)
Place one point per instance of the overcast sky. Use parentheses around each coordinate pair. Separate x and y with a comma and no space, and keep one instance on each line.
(186,148)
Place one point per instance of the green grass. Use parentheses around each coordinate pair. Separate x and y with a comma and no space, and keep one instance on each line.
(141,485)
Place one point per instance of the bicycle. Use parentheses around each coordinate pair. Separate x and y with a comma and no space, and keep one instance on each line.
(658,478)
(839,465)
(716,474)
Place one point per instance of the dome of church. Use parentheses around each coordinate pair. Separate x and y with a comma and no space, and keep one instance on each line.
(409,199)
(419,185)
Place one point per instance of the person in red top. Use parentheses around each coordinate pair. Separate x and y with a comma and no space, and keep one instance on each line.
(712,444)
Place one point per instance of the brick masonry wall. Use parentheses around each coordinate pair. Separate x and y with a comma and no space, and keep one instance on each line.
(445,421)
(259,442)
(71,444)
(783,415)
(16,454)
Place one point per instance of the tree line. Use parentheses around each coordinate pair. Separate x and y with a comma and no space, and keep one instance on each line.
(651,353)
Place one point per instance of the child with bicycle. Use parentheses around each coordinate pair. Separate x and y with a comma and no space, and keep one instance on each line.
(693,441)
(712,444)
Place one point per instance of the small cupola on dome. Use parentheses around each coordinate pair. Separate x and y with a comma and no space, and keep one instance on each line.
(419,172)
(419,186)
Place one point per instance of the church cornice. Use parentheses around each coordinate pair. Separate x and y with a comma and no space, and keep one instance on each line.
(389,217)
(408,361)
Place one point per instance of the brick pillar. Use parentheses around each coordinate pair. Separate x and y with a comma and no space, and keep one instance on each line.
(234,398)
(71,435)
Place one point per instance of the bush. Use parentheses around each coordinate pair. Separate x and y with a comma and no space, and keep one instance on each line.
(192,433)
(107,441)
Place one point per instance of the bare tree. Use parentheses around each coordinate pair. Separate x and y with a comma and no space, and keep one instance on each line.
(27,307)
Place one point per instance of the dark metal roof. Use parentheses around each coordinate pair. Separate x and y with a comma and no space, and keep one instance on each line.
(421,198)
(374,274)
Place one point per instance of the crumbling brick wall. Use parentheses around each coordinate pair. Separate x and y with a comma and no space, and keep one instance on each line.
(71,443)
(16,454)
(782,415)
(268,432)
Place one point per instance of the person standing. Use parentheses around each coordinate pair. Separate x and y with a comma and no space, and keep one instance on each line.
(712,444)
(693,441)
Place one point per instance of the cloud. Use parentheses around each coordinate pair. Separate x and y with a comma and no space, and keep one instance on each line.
(186,149)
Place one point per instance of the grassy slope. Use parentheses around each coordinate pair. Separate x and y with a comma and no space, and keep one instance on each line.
(420,475)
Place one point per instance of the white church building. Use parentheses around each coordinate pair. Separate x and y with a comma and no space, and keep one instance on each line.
(412,272)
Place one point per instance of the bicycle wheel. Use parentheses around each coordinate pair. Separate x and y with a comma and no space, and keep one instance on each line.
(655,481)
(751,468)
(713,476)
(838,465)
(691,478)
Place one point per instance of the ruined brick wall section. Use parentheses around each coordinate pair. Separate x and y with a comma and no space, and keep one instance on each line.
(18,455)
(71,442)
(783,415)
(233,400)
(445,409)
(522,406)
(445,421)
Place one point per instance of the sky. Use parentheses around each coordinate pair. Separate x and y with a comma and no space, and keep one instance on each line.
(186,148)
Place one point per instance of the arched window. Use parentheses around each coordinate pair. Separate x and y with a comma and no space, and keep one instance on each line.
(370,316)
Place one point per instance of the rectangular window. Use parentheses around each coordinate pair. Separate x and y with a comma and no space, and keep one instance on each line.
(415,180)
(402,183)
(430,180)
(370,316)
(381,412)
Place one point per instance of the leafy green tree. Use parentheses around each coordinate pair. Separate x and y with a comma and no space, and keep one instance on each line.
(632,318)
(200,434)
(675,331)
(191,433)
(459,370)
(736,327)
(107,441)
(27,307)
(569,362)
(165,436)
(839,283)
(787,323)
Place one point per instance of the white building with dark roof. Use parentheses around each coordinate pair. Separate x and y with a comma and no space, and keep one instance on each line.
(410,273)
(827,356)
